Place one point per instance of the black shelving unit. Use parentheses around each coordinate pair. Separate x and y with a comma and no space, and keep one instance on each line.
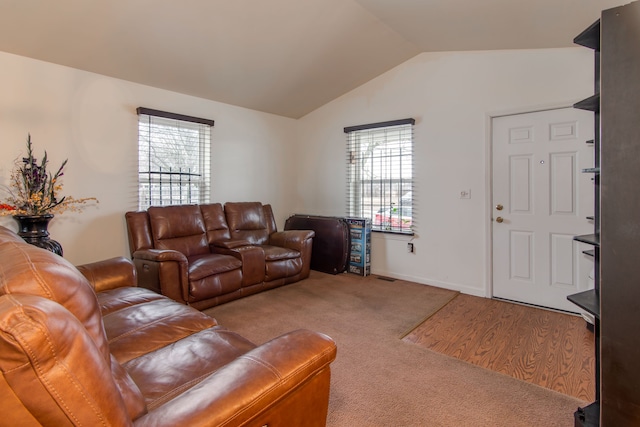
(590,300)
(618,218)
(615,299)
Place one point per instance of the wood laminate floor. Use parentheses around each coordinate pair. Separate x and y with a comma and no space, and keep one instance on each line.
(551,349)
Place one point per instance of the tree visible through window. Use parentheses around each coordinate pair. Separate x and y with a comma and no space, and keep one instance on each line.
(380,174)
(173,159)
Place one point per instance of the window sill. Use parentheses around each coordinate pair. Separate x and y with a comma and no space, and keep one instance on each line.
(395,233)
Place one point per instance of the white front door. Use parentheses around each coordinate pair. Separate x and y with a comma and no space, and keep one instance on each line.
(541,200)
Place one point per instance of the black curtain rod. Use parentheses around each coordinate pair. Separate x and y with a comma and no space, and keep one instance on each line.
(174,116)
(380,125)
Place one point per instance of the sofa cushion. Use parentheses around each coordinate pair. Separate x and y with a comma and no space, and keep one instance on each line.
(282,269)
(205,265)
(277,253)
(215,222)
(247,221)
(116,299)
(146,325)
(179,228)
(213,275)
(217,286)
(170,370)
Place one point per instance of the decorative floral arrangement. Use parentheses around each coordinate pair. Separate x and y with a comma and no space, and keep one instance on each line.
(35,191)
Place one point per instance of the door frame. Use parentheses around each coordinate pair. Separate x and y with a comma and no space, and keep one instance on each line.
(489,116)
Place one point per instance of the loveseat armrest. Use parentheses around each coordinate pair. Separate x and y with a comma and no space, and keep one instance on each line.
(284,382)
(293,239)
(111,273)
(164,271)
(160,255)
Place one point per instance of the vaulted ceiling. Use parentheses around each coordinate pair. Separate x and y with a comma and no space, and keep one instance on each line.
(286,57)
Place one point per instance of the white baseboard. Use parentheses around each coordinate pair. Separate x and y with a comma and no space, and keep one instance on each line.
(437,283)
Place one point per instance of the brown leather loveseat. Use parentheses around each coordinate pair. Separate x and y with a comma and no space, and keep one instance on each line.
(205,255)
(93,349)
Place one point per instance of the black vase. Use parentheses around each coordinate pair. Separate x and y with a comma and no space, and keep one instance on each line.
(34,230)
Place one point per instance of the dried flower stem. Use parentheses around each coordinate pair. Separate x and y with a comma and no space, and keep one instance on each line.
(35,192)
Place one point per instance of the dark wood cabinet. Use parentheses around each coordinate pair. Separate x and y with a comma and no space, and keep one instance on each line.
(615,301)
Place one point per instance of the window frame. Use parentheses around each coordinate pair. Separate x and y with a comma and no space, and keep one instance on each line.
(383,190)
(160,185)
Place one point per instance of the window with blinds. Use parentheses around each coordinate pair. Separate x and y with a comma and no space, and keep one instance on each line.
(173,158)
(380,174)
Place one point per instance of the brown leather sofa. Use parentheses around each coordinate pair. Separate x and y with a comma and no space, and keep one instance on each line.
(93,349)
(205,255)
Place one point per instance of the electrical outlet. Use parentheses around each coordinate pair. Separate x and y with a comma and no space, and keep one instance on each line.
(410,248)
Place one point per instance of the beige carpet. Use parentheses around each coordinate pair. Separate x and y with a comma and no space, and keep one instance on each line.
(380,380)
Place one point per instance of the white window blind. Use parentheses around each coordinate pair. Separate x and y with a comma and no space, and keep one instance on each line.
(380,174)
(173,158)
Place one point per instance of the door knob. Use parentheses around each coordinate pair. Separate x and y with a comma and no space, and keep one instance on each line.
(499,219)
(499,207)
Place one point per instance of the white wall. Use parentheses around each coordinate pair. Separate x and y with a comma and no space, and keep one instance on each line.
(451,96)
(298,166)
(91,120)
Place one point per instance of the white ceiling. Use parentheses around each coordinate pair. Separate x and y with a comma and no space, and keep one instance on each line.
(286,57)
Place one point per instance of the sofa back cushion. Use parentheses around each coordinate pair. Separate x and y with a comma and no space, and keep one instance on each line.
(179,228)
(138,231)
(53,367)
(26,269)
(215,222)
(269,218)
(247,221)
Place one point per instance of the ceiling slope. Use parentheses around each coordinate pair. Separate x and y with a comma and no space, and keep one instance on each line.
(285,57)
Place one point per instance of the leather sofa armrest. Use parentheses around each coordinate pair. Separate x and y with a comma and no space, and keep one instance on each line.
(111,273)
(164,271)
(282,382)
(160,255)
(230,244)
(293,239)
(252,258)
